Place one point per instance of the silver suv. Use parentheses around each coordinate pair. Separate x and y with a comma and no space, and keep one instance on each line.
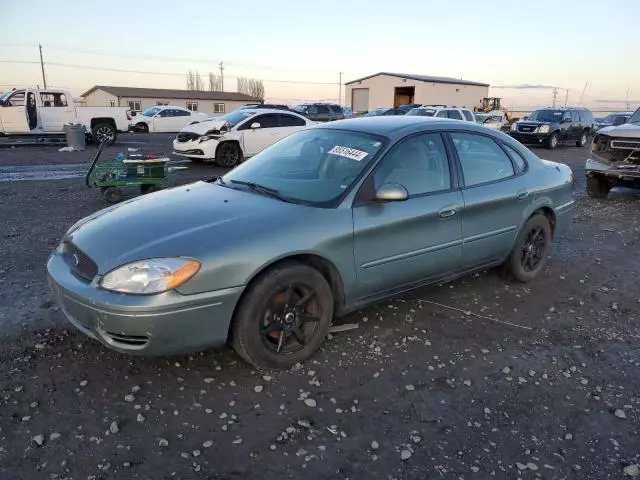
(443,111)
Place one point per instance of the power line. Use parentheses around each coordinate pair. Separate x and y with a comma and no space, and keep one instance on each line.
(121,70)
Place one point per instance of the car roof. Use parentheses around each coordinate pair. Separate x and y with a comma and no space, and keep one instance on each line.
(390,126)
(271,110)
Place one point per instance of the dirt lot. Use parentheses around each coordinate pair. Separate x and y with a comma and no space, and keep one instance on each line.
(419,391)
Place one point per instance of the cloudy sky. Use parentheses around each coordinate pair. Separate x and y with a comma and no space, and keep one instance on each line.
(299,47)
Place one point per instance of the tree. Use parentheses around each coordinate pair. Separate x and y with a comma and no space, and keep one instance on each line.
(215,82)
(251,86)
(194,82)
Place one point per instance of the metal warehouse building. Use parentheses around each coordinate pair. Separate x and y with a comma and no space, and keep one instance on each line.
(386,90)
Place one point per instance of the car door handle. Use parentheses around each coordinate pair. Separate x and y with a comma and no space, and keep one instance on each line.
(522,194)
(450,211)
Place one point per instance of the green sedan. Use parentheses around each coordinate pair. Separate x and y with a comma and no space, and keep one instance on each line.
(322,223)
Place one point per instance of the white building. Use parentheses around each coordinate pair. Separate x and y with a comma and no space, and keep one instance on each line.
(387,90)
(139,99)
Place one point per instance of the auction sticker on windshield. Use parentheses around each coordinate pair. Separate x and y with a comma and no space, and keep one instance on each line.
(347,152)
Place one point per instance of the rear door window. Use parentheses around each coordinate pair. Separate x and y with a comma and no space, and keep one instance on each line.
(291,121)
(481,158)
(454,114)
(468,115)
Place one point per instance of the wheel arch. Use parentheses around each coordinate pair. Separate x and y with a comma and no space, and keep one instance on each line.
(230,140)
(98,120)
(326,268)
(548,212)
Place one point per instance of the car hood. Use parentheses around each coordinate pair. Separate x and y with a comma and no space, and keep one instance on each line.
(628,130)
(204,127)
(184,221)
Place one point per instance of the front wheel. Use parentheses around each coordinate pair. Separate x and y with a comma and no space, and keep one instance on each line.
(553,141)
(113,195)
(104,133)
(228,155)
(529,255)
(283,317)
(582,141)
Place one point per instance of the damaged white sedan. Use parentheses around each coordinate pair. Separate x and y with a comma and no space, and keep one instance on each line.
(241,134)
(615,158)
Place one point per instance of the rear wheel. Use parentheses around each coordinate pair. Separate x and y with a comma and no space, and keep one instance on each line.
(113,194)
(597,188)
(529,255)
(553,141)
(582,141)
(283,317)
(104,133)
(228,154)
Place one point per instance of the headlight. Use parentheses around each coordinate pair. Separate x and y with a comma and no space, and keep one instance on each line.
(206,138)
(543,129)
(514,127)
(155,275)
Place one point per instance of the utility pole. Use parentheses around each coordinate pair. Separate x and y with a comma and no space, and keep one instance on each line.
(582,94)
(555,95)
(44,79)
(627,104)
(221,76)
(566,97)
(340,90)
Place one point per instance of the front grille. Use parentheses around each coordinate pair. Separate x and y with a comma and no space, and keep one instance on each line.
(187,136)
(527,128)
(630,144)
(81,263)
(193,151)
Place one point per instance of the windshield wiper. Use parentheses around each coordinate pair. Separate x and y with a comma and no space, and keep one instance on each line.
(271,192)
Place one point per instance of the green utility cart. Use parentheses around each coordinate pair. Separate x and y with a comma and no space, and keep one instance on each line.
(147,171)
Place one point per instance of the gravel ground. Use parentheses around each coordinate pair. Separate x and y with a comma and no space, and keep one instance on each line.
(418,391)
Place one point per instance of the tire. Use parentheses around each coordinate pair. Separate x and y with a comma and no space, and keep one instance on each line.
(597,188)
(552,142)
(228,155)
(104,133)
(529,255)
(265,342)
(113,195)
(582,141)
(142,128)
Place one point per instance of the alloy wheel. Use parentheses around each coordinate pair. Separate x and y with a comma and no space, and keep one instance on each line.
(105,134)
(228,155)
(533,249)
(291,318)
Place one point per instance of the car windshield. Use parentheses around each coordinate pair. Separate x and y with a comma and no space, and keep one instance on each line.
(546,116)
(421,112)
(5,95)
(312,167)
(376,112)
(233,118)
(635,118)
(151,111)
(302,108)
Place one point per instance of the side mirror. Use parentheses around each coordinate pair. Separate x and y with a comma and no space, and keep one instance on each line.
(255,125)
(391,192)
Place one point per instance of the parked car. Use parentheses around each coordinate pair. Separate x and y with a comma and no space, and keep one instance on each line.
(615,158)
(443,111)
(321,112)
(613,120)
(406,108)
(44,111)
(494,120)
(325,222)
(379,112)
(236,136)
(551,126)
(347,111)
(166,119)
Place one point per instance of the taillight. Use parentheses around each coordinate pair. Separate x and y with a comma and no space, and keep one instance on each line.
(129,117)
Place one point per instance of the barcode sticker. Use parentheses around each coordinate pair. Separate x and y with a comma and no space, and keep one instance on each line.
(347,152)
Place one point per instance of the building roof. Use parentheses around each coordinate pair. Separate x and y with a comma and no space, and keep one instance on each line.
(423,78)
(171,93)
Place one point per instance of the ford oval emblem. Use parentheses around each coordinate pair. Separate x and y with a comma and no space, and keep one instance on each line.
(76,260)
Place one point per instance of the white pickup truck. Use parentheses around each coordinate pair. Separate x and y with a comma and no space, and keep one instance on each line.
(32,111)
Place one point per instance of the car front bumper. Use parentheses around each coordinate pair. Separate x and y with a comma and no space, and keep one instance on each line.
(164,324)
(196,149)
(530,137)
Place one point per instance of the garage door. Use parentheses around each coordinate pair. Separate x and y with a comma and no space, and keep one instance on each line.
(360,99)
